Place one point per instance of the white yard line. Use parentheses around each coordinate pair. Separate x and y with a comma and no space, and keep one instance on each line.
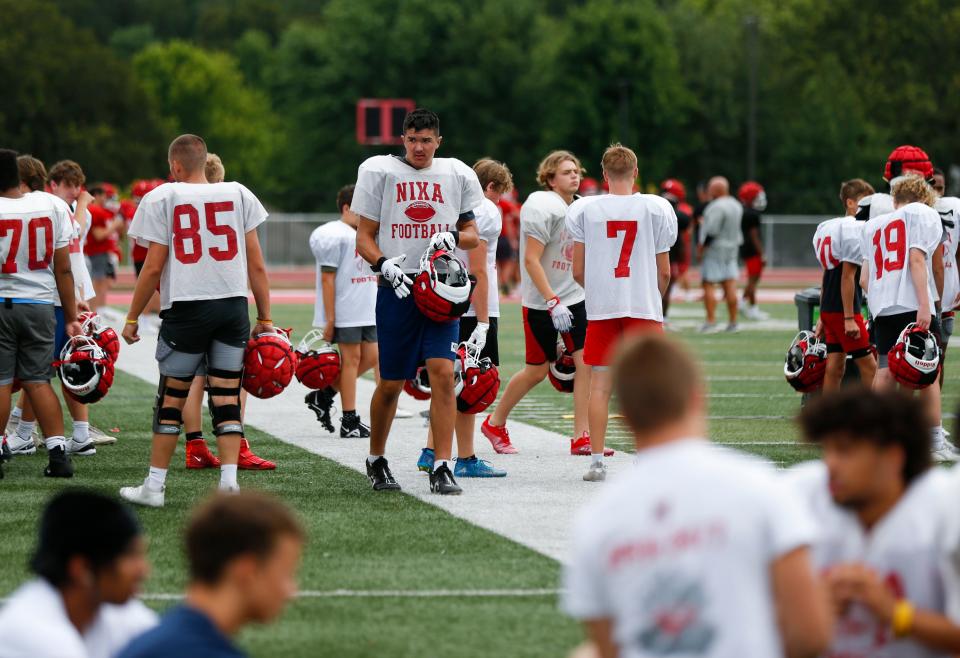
(393,594)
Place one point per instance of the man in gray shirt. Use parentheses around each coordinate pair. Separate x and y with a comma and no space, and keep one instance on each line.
(720,240)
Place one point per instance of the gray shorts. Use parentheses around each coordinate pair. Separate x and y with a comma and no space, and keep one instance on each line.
(101,266)
(352,335)
(946,326)
(27,334)
(719,264)
(219,356)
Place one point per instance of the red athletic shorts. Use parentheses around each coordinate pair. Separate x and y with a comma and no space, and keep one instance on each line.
(838,341)
(754,266)
(603,337)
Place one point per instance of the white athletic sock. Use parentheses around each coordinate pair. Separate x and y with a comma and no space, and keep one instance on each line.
(25,429)
(596,458)
(81,431)
(373,458)
(156,478)
(441,462)
(228,476)
(936,437)
(16,414)
(54,442)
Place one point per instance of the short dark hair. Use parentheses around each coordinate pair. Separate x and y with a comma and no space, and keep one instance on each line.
(344,197)
(96,189)
(883,418)
(421,119)
(9,174)
(81,523)
(32,172)
(190,151)
(229,526)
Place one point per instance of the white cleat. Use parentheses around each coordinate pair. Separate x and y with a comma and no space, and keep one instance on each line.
(143,495)
(709,328)
(20,447)
(101,438)
(77,449)
(596,473)
(732,328)
(946,454)
(403,413)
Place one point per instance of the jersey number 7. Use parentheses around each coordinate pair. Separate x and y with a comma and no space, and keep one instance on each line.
(629,229)
(191,232)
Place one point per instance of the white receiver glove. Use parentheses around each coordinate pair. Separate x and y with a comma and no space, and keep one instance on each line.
(479,336)
(443,240)
(560,314)
(390,270)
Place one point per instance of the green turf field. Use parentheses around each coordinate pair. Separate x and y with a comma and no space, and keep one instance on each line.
(364,542)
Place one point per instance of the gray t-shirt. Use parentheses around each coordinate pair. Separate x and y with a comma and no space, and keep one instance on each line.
(721,219)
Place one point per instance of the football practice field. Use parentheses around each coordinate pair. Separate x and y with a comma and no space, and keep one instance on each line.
(389,575)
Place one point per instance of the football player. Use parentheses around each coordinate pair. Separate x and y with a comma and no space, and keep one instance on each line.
(696,550)
(720,238)
(552,300)
(621,257)
(478,326)
(408,205)
(203,267)
(101,243)
(836,245)
(881,543)
(138,252)
(35,235)
(673,191)
(949,209)
(345,310)
(899,250)
(754,199)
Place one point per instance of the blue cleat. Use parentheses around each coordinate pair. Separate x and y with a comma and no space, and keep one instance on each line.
(472,467)
(425,463)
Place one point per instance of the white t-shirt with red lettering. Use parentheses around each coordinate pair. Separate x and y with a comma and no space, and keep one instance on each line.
(355,286)
(543,217)
(412,205)
(32,227)
(837,241)
(622,235)
(489,223)
(204,225)
(677,553)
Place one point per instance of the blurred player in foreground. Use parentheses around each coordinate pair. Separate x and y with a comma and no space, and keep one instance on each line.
(696,550)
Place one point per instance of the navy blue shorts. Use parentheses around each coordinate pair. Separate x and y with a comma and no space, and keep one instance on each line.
(60,338)
(407,338)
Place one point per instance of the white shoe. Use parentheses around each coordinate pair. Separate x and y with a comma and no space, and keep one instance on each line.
(403,413)
(143,495)
(20,447)
(709,328)
(229,490)
(596,473)
(78,449)
(732,328)
(11,426)
(946,453)
(101,438)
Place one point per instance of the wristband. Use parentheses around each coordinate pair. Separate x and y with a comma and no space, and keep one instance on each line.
(376,266)
(902,622)
(456,237)
(129,321)
(553,301)
(264,320)
(849,317)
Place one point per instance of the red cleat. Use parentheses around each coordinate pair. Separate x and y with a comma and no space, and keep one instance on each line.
(499,437)
(581,447)
(250,462)
(199,455)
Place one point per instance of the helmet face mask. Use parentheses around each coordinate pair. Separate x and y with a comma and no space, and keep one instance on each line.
(478,380)
(806,362)
(85,369)
(915,359)
(419,387)
(442,288)
(563,369)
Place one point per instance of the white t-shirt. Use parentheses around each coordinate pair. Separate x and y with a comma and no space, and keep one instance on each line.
(31,229)
(355,287)
(677,553)
(622,235)
(489,222)
(204,225)
(543,218)
(907,548)
(874,205)
(34,624)
(78,262)
(948,207)
(837,241)
(886,243)
(412,204)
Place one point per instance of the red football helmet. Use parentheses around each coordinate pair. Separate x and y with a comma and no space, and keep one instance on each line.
(85,369)
(479,380)
(752,195)
(269,363)
(673,190)
(589,187)
(318,362)
(806,362)
(563,369)
(142,187)
(105,336)
(442,289)
(906,159)
(915,360)
(419,387)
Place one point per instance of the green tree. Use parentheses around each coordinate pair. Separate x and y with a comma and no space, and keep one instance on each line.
(203,92)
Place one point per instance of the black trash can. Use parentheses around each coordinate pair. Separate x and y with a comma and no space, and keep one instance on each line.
(808,313)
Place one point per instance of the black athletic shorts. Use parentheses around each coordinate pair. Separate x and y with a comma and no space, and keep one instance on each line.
(191,327)
(540,337)
(491,349)
(887,329)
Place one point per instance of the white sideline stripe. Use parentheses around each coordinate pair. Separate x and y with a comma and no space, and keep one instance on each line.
(394,594)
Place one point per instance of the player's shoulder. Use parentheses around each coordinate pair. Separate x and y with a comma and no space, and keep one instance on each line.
(876,204)
(159,194)
(50,199)
(381,164)
(921,211)
(656,203)
(454,166)
(548,202)
(830,226)
(580,204)
(946,204)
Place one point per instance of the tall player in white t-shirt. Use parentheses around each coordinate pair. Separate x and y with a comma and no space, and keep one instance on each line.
(552,300)
(621,257)
(410,206)
(697,550)
(203,252)
(949,209)
(882,543)
(345,310)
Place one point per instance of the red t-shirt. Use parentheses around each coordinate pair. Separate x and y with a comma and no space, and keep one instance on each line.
(128,208)
(100,217)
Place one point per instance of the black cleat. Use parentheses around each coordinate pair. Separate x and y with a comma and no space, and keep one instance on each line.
(442,482)
(59,465)
(352,428)
(5,454)
(321,402)
(380,476)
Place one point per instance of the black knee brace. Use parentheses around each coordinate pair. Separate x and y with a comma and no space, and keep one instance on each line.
(226,417)
(162,413)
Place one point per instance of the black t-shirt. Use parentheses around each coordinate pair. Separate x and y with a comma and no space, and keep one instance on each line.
(678,250)
(750,221)
(830,299)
